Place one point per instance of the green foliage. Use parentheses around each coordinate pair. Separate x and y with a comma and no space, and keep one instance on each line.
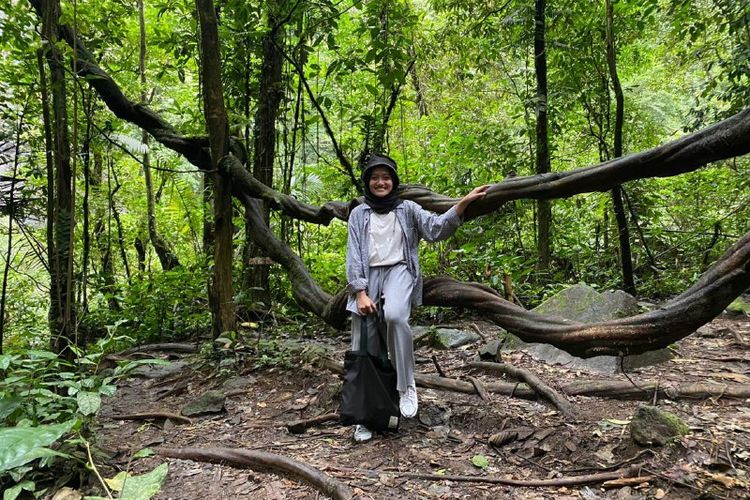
(160,306)
(236,350)
(21,445)
(42,398)
(142,487)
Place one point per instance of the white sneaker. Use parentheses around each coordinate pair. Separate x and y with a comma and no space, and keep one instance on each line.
(408,402)
(362,434)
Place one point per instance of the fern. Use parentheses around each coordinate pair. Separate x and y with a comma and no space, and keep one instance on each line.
(134,146)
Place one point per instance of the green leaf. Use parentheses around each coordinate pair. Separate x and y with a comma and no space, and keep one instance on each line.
(20,445)
(5,360)
(12,493)
(8,405)
(107,390)
(480,461)
(615,421)
(145,452)
(88,402)
(139,487)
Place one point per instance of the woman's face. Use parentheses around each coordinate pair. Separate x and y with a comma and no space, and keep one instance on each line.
(381,183)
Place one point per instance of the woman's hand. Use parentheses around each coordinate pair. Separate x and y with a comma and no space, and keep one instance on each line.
(365,305)
(475,194)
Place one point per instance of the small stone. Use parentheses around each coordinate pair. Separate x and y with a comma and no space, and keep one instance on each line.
(449,338)
(234,383)
(438,490)
(208,402)
(653,427)
(490,351)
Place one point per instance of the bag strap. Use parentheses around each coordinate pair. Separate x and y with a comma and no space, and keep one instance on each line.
(363,333)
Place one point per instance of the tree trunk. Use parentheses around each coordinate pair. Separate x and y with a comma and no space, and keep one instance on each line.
(103,241)
(264,150)
(222,306)
(544,210)
(62,307)
(626,258)
(50,168)
(86,204)
(11,216)
(167,258)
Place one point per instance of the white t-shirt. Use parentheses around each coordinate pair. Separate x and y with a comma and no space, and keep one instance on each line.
(386,240)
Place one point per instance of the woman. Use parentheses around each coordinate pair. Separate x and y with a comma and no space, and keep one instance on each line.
(382,266)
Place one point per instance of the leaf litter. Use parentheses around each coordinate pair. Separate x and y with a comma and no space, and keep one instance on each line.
(454,433)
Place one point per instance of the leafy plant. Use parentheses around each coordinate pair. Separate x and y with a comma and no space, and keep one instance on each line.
(42,398)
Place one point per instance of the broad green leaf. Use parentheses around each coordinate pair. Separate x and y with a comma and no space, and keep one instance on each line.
(107,390)
(41,354)
(20,445)
(480,461)
(8,405)
(141,487)
(12,493)
(5,360)
(88,402)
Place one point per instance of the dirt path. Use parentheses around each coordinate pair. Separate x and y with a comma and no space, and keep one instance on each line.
(450,430)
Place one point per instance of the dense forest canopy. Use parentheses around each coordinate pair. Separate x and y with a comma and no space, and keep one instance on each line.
(447,88)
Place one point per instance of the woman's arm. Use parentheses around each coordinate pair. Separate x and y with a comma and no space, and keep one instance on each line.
(475,194)
(355,268)
(433,227)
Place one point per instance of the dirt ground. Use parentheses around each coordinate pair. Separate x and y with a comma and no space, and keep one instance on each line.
(451,429)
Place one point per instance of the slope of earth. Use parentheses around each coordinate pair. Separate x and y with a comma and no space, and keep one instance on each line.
(451,432)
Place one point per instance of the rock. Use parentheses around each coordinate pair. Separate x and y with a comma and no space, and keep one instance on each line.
(159,371)
(652,426)
(584,304)
(438,490)
(234,383)
(449,338)
(739,306)
(208,402)
(490,351)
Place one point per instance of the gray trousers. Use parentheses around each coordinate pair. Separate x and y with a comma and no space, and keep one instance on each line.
(394,284)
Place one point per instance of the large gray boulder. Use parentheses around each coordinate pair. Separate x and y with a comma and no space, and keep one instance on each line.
(584,304)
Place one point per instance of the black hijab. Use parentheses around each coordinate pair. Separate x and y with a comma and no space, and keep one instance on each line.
(384,204)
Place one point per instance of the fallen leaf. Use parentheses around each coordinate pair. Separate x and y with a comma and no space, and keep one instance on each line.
(659,494)
(726,481)
(605,453)
(480,461)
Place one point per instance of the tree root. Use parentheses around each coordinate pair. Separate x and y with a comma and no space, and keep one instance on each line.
(645,389)
(534,382)
(593,388)
(263,461)
(561,481)
(480,388)
(166,346)
(300,426)
(153,415)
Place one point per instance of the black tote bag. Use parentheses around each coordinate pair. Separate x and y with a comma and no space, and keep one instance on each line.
(369,395)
